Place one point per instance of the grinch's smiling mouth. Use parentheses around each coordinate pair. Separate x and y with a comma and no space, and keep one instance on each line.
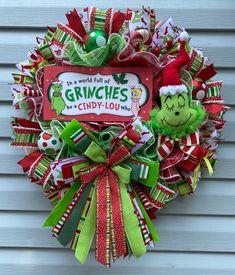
(176,125)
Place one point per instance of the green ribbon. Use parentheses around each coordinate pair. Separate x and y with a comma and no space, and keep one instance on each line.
(131,224)
(98,57)
(87,233)
(93,147)
(60,208)
(70,226)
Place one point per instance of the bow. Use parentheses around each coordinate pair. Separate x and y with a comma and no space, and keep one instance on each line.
(107,171)
(178,153)
(100,199)
(187,144)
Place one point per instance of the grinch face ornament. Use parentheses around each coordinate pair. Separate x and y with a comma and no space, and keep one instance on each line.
(178,116)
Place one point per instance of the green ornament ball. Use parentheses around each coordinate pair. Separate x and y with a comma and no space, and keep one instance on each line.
(94,40)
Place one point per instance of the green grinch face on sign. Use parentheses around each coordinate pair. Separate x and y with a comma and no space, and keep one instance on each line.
(176,118)
(57,86)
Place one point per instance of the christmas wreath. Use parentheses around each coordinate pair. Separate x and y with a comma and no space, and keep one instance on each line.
(122,115)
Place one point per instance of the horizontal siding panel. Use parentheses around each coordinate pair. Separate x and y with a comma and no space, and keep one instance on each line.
(61,262)
(17,44)
(212,197)
(205,15)
(183,4)
(177,233)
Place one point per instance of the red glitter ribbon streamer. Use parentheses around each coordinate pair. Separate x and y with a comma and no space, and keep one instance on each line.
(107,181)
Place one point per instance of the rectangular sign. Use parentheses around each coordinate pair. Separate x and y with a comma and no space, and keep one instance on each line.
(97,93)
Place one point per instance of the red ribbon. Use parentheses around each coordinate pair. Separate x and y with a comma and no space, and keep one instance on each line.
(35,64)
(75,23)
(27,162)
(184,153)
(107,188)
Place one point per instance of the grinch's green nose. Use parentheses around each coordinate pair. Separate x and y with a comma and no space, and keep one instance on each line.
(177,113)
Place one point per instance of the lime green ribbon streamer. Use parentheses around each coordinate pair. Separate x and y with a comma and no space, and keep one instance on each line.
(78,56)
(60,208)
(131,224)
(87,232)
(209,166)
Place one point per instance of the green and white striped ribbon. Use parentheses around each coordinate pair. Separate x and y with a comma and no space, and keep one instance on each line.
(42,169)
(213,88)
(196,63)
(77,136)
(63,35)
(161,194)
(49,34)
(45,51)
(25,137)
(101,20)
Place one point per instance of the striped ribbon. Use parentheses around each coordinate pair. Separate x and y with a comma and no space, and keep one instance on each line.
(25,133)
(196,63)
(24,79)
(41,169)
(144,170)
(213,89)
(101,20)
(24,137)
(45,51)
(77,136)
(156,197)
(147,238)
(187,144)
(49,34)
(82,220)
(64,34)
(37,166)
(171,153)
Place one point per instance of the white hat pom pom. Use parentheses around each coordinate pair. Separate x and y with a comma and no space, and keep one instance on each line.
(184,36)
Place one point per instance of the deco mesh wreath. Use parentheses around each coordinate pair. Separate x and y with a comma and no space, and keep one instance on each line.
(122,116)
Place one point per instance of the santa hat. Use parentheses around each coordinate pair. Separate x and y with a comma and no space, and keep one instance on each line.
(171,82)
